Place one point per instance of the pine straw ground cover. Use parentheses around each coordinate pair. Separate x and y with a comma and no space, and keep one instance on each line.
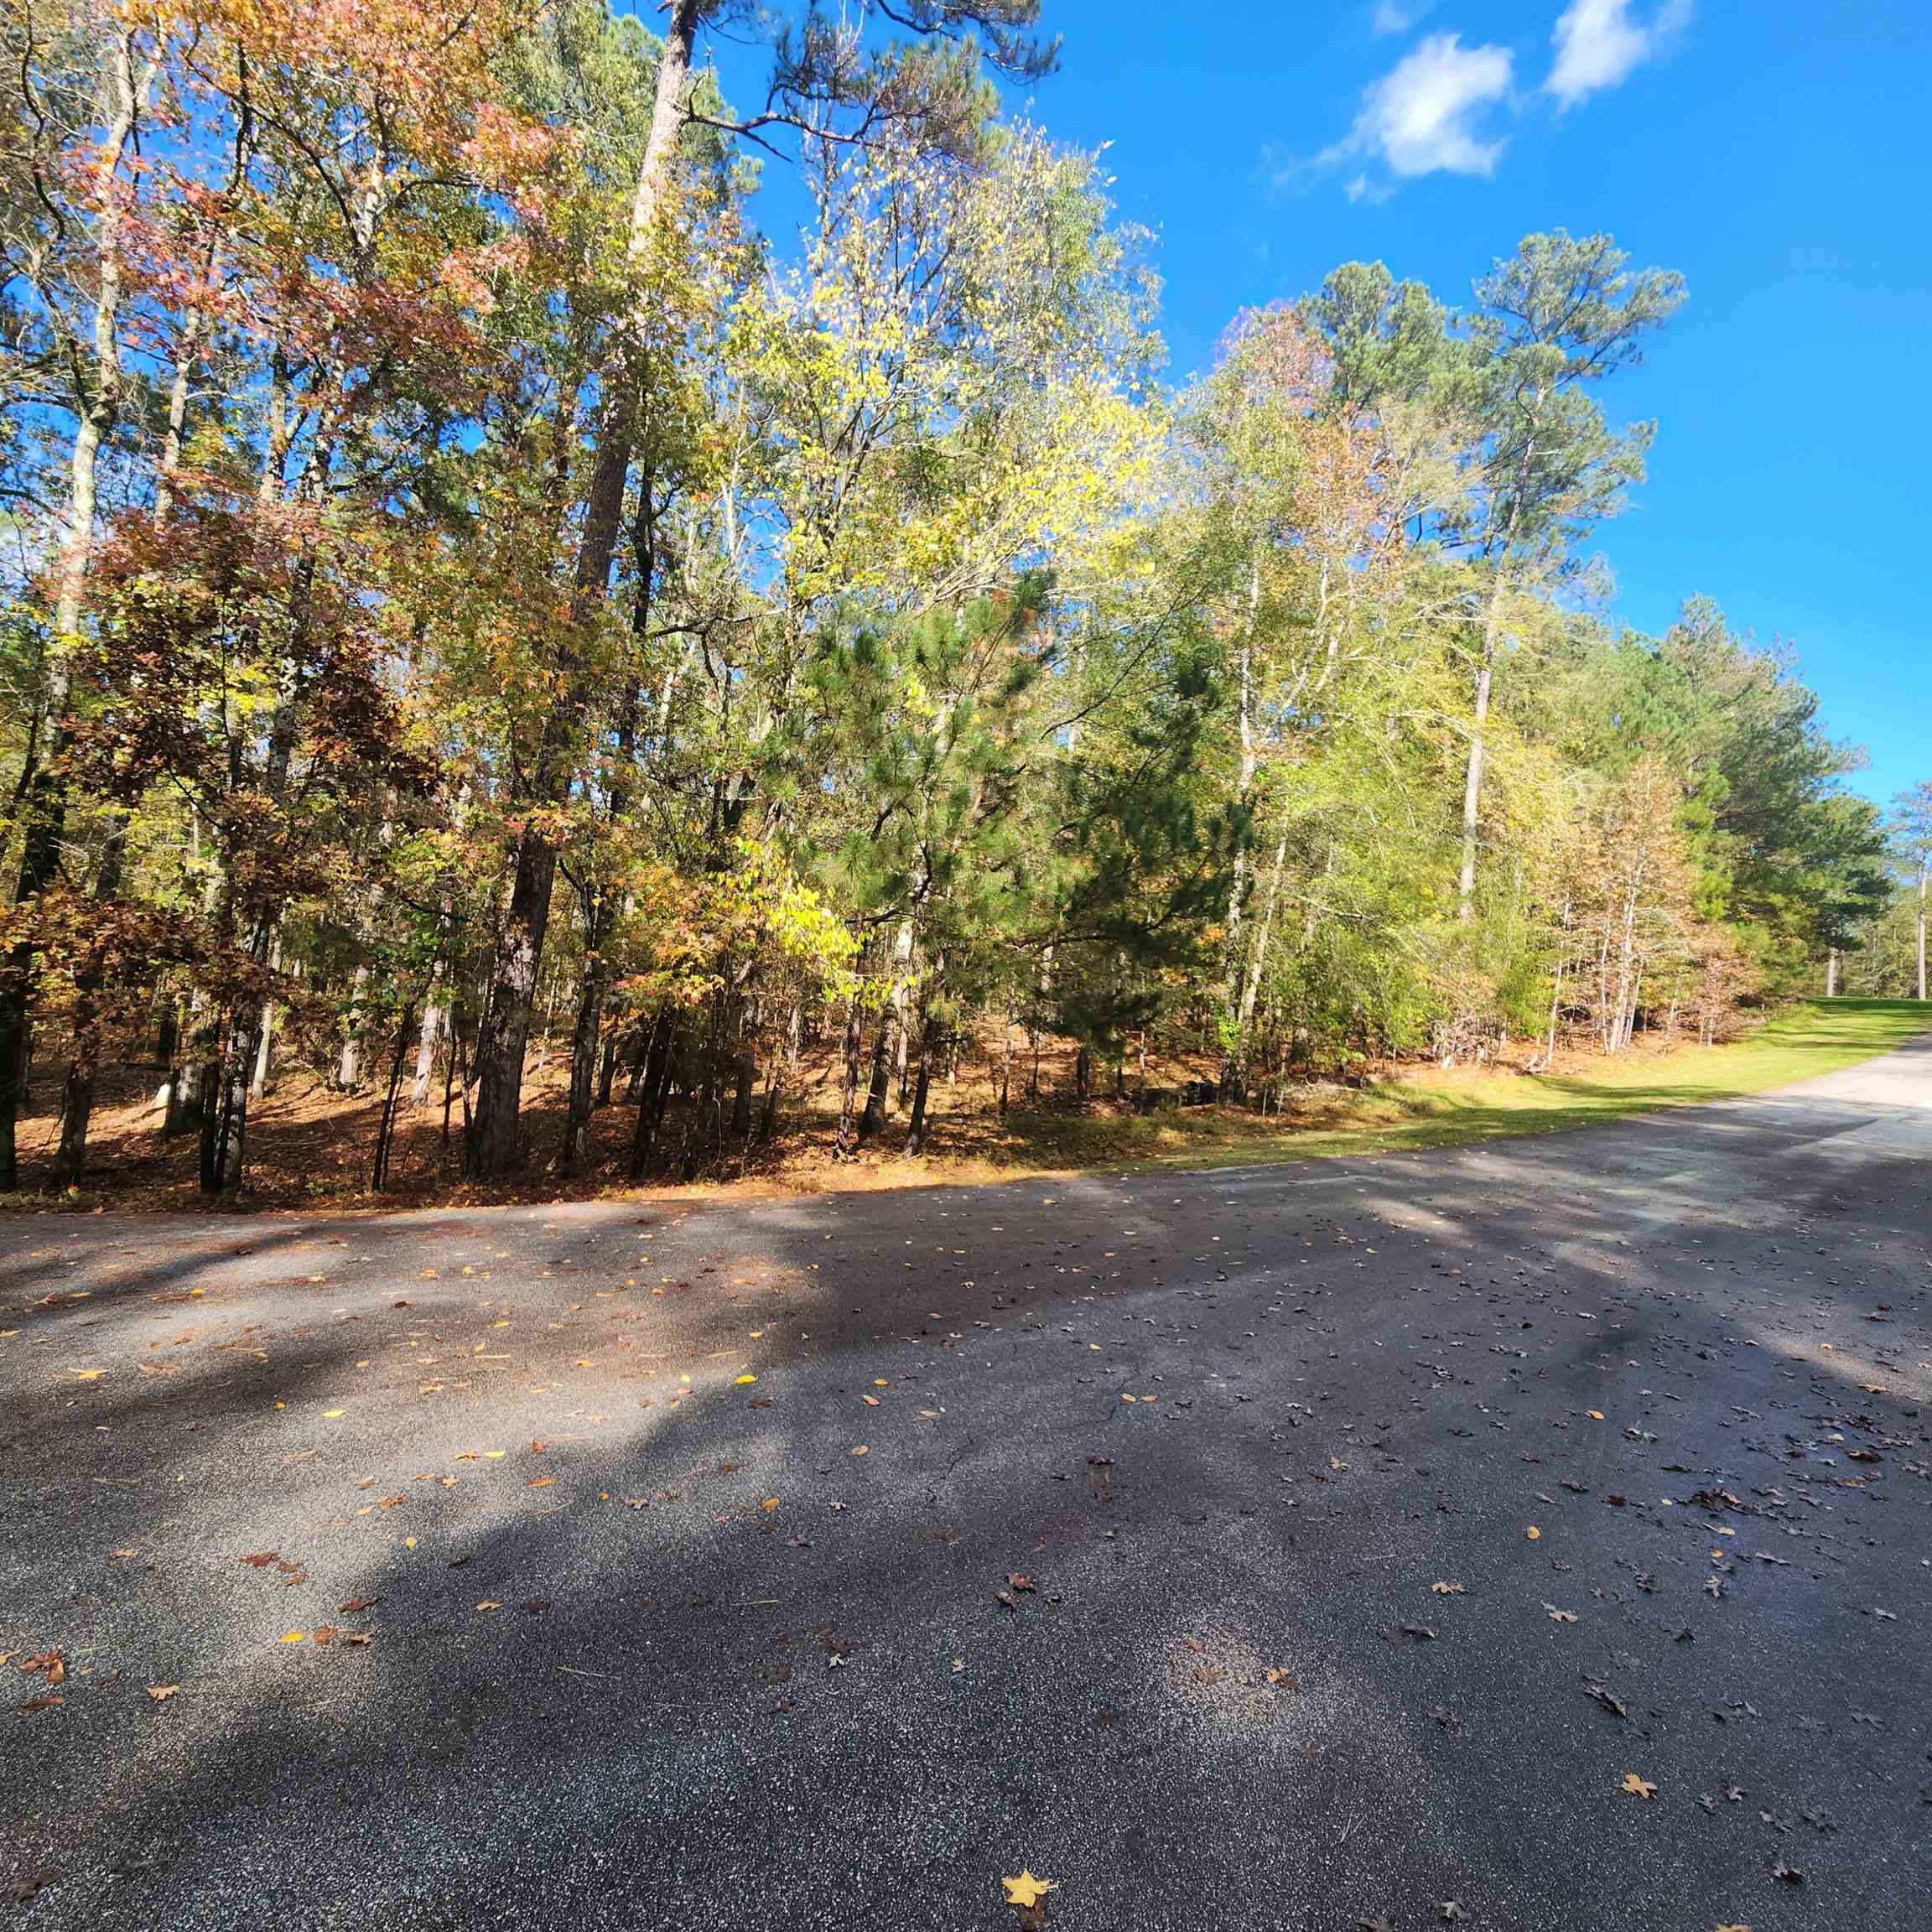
(310,1147)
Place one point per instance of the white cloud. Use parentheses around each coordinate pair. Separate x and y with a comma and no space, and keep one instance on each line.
(1399,16)
(1420,117)
(1599,45)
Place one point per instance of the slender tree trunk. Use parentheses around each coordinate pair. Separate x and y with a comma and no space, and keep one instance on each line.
(264,1053)
(452,1062)
(1239,887)
(847,1141)
(781,1072)
(873,1117)
(43,787)
(929,1044)
(77,1100)
(349,1054)
(1005,1055)
(386,1131)
(745,1084)
(1831,973)
(584,1040)
(1923,871)
(1556,991)
(493,1148)
(655,1063)
(430,1037)
(1251,980)
(1473,778)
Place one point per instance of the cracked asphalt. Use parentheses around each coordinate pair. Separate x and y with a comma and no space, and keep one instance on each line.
(1320,1546)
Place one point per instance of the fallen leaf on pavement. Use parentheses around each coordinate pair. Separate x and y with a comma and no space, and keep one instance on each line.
(1026,1890)
(1638,1787)
(162,1692)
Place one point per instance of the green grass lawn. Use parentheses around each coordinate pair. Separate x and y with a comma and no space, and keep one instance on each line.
(1433,1108)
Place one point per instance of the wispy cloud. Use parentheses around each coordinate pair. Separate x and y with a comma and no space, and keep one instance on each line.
(1599,43)
(1423,115)
(1399,16)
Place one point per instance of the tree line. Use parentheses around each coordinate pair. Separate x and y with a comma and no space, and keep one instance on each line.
(467,579)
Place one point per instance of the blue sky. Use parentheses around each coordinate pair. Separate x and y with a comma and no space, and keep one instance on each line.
(1775,153)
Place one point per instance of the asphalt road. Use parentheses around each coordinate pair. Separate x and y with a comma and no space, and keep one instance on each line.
(1522,1469)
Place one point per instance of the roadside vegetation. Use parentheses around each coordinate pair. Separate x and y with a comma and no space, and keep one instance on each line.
(524,669)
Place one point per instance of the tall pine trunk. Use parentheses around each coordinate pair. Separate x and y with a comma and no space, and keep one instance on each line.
(493,1147)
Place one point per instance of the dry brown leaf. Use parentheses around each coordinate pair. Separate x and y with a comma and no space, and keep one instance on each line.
(162,1692)
(1638,1787)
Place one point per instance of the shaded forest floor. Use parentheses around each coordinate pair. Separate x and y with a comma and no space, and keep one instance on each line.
(311,1145)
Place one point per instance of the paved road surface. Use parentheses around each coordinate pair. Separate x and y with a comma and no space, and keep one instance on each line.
(752,1666)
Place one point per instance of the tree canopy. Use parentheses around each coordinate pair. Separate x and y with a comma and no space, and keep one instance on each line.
(466,582)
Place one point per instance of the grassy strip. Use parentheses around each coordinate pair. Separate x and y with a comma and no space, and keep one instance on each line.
(1433,1108)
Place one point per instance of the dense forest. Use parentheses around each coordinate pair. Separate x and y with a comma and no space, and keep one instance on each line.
(473,591)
